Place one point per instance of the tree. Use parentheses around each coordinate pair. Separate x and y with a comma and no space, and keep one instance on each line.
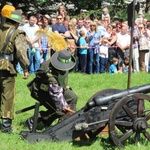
(117,7)
(147,8)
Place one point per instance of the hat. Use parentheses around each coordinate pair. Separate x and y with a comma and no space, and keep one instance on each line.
(63,60)
(9,12)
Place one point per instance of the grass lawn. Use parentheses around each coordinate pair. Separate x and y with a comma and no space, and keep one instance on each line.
(84,86)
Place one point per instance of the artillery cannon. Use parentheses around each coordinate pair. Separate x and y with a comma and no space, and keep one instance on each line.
(122,110)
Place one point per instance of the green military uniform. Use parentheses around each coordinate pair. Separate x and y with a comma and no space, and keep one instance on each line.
(45,76)
(16,50)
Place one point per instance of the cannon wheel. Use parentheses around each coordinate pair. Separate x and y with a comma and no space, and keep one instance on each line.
(133,125)
(101,126)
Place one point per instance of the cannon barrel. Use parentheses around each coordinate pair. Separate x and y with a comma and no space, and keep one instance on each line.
(101,100)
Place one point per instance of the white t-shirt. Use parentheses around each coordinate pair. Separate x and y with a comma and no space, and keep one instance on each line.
(31,32)
(148,32)
(104,49)
(123,40)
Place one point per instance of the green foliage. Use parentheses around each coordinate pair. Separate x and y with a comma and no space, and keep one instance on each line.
(84,86)
(117,8)
(147,16)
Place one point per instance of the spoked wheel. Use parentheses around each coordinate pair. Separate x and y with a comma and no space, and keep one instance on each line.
(129,120)
(93,133)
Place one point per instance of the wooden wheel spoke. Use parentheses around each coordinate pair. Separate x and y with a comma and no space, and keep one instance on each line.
(140,108)
(147,117)
(129,119)
(147,135)
(137,137)
(124,123)
(126,135)
(128,111)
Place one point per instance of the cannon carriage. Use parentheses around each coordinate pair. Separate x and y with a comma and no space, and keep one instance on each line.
(123,111)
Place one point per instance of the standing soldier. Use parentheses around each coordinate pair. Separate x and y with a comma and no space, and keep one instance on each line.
(12,50)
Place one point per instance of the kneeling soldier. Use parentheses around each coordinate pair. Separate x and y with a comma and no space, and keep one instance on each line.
(50,88)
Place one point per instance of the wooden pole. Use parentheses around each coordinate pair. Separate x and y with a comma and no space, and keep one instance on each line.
(131,44)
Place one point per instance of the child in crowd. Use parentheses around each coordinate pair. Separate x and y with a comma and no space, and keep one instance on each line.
(61,11)
(125,67)
(139,19)
(105,15)
(113,66)
(44,45)
(82,51)
(103,55)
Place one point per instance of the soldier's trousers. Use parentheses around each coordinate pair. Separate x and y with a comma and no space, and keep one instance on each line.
(7,94)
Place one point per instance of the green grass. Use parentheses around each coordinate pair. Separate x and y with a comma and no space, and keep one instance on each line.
(84,86)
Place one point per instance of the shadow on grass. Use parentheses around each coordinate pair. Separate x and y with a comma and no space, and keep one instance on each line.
(85,142)
(106,143)
(103,142)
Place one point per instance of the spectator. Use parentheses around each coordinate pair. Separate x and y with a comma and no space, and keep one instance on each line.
(46,22)
(40,24)
(123,44)
(143,47)
(67,18)
(101,28)
(82,51)
(59,28)
(112,38)
(113,66)
(118,27)
(87,25)
(139,19)
(65,23)
(20,27)
(61,11)
(147,56)
(44,45)
(103,60)
(53,20)
(80,25)
(135,53)
(125,68)
(144,21)
(105,15)
(33,44)
(73,38)
(74,21)
(93,40)
(39,17)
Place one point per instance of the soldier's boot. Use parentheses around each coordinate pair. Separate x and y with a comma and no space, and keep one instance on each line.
(6,125)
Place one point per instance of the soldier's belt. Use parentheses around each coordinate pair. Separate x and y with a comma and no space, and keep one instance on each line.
(44,87)
(8,57)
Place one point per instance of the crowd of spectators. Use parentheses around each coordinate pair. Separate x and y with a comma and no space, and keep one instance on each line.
(99,45)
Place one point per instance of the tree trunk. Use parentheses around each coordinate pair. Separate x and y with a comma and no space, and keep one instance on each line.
(147,9)
(3,2)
